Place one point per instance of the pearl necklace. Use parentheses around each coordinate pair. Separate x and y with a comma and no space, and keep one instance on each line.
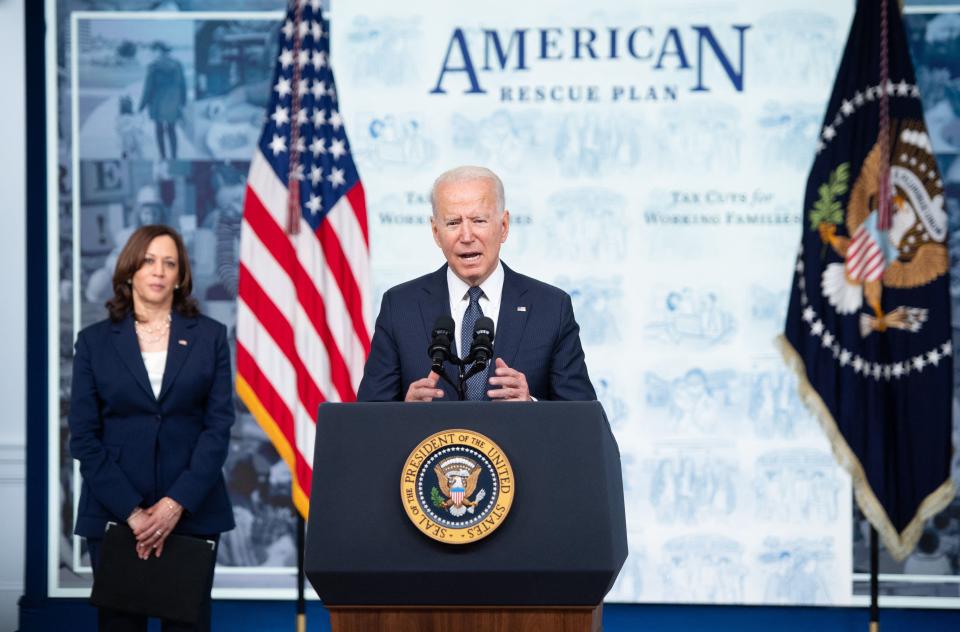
(150,335)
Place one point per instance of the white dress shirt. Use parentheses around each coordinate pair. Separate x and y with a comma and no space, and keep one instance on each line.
(489,302)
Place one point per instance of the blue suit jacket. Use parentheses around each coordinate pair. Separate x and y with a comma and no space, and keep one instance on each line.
(542,341)
(135,448)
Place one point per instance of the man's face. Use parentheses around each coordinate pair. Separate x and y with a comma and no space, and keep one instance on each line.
(229,198)
(468,228)
(150,213)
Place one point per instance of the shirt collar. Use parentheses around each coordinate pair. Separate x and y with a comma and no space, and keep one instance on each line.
(492,287)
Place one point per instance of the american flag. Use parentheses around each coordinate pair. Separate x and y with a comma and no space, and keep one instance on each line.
(303,310)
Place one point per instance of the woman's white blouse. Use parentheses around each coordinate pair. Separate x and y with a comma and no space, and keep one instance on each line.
(155,361)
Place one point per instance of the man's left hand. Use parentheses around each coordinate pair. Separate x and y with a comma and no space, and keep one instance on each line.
(512,384)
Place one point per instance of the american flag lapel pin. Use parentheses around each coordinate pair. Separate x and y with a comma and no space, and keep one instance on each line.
(182,343)
(521,308)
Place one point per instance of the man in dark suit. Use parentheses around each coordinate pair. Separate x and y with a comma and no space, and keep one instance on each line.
(537,343)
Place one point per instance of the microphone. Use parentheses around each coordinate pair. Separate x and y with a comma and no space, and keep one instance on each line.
(482,348)
(439,349)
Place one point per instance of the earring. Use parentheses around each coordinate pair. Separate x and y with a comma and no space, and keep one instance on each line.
(129,281)
(177,286)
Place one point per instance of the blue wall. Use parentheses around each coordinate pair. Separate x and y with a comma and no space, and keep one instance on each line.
(260,616)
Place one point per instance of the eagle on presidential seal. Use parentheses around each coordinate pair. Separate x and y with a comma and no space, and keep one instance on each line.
(457,478)
(910,253)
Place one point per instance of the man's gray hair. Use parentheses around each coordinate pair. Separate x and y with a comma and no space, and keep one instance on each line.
(467,173)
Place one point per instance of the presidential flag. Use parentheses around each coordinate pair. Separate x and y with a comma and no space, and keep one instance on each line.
(303,311)
(868,328)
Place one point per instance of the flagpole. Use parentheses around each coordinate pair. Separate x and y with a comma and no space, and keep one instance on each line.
(301,601)
(883,222)
(293,228)
(874,581)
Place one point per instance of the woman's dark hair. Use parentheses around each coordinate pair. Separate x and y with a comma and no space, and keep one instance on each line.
(131,258)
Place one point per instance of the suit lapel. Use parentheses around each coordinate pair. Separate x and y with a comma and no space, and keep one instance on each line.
(178,348)
(510,322)
(434,303)
(125,342)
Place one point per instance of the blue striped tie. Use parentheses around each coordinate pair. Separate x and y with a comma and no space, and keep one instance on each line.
(476,385)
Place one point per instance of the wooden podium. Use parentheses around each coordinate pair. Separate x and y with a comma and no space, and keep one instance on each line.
(547,567)
(474,618)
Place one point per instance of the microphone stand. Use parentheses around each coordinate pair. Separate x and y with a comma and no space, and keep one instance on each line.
(458,386)
(462,373)
(462,380)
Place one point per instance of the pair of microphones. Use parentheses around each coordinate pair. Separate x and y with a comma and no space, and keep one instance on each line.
(481,350)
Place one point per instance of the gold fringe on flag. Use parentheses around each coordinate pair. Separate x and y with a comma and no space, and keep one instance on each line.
(900,544)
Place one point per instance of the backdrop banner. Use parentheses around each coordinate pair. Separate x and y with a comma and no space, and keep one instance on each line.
(654,159)
(654,165)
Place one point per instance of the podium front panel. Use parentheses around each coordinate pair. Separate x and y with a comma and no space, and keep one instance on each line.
(562,543)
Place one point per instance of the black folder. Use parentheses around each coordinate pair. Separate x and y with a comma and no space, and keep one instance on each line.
(172,586)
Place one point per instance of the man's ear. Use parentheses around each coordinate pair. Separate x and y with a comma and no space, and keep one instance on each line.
(506,225)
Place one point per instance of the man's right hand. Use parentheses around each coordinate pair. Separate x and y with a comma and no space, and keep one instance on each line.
(424,390)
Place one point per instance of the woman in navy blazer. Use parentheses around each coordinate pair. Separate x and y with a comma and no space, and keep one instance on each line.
(150,411)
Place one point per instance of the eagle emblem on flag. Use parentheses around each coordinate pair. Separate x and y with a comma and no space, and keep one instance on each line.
(910,253)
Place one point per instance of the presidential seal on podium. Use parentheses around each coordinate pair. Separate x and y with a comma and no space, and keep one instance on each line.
(457,486)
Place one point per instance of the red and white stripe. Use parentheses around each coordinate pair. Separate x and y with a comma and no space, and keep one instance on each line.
(303,315)
(865,261)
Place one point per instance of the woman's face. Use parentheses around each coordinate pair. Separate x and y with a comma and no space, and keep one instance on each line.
(154,282)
